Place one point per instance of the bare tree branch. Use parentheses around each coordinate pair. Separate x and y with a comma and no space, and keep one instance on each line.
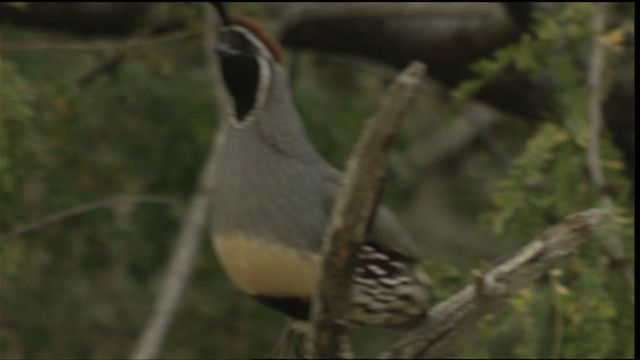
(188,240)
(114,18)
(123,49)
(449,38)
(179,267)
(82,209)
(106,66)
(451,317)
(103,45)
(119,50)
(292,14)
(353,209)
(594,83)
(475,121)
(615,252)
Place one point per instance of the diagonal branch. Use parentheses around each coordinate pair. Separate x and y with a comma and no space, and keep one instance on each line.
(190,235)
(118,49)
(84,208)
(614,250)
(451,317)
(179,268)
(101,45)
(352,211)
(594,83)
(290,15)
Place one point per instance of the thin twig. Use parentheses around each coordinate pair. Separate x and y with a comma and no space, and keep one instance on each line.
(445,321)
(113,61)
(188,240)
(179,268)
(455,135)
(84,208)
(558,333)
(119,50)
(104,45)
(592,158)
(594,83)
(351,213)
(108,65)
(293,14)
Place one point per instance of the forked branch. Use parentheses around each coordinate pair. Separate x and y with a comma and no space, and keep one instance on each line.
(352,212)
(451,317)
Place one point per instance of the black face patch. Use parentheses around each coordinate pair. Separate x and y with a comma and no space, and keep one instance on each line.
(241,76)
(240,70)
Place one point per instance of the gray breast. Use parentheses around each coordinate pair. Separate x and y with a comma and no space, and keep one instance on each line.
(266,194)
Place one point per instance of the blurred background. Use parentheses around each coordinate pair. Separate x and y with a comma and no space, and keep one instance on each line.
(107,113)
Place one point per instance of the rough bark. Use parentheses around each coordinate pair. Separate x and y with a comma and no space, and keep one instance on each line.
(450,318)
(352,212)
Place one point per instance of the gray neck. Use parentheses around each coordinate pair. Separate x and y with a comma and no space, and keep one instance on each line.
(268,173)
(277,124)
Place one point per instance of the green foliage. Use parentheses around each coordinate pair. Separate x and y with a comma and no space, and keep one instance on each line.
(83,287)
(449,279)
(581,309)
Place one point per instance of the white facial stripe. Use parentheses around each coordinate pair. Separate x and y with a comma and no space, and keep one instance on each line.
(255,41)
(264,79)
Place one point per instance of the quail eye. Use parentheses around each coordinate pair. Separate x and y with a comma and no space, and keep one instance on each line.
(238,42)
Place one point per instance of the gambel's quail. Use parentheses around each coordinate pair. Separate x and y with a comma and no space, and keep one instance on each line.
(273,196)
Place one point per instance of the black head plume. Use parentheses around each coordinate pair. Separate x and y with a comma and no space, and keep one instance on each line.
(221,11)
